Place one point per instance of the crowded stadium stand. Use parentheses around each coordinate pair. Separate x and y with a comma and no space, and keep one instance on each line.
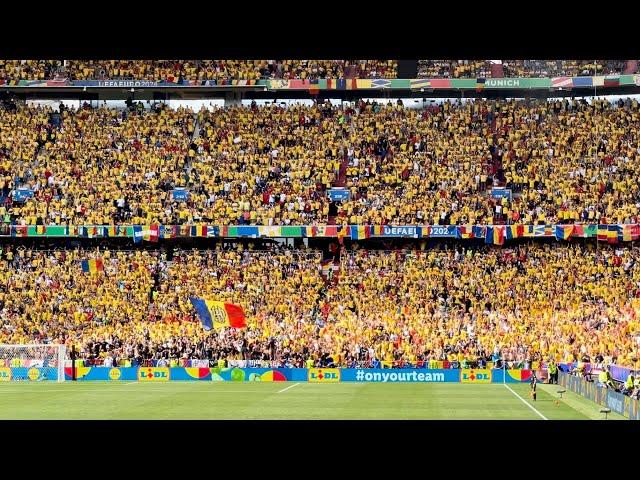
(354,228)
(175,70)
(564,161)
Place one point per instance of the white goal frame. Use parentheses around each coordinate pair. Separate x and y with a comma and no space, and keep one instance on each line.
(16,357)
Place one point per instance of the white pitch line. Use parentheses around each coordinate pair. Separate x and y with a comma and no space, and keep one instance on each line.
(290,386)
(526,403)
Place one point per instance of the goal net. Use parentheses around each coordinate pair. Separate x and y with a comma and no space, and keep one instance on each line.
(32,363)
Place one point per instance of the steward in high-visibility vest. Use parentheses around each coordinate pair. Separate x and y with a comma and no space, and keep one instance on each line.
(602,377)
(553,372)
(309,363)
(629,383)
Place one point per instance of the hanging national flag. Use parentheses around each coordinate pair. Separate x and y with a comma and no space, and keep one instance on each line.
(137,234)
(314,88)
(611,81)
(480,82)
(612,233)
(310,231)
(214,314)
(360,232)
(488,234)
(41,229)
(603,233)
(464,231)
(19,230)
(498,234)
(478,231)
(631,233)
(590,231)
(563,232)
(514,231)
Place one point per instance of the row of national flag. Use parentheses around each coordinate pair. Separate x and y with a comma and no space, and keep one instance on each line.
(491,234)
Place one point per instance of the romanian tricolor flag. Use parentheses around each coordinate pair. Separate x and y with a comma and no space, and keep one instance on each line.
(495,234)
(92,266)
(378,230)
(480,84)
(41,229)
(514,231)
(19,230)
(214,314)
(310,231)
(360,232)
(112,231)
(563,232)
(612,233)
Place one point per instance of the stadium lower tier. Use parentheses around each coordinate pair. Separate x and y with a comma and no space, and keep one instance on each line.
(457,303)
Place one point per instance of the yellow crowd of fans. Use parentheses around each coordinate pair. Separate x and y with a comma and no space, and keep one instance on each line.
(195,70)
(527,303)
(564,161)
(519,68)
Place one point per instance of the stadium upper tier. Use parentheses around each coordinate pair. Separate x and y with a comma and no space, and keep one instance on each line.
(563,161)
(174,70)
(533,302)
(522,68)
(226,71)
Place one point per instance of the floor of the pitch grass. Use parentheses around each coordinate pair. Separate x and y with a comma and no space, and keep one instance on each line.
(286,400)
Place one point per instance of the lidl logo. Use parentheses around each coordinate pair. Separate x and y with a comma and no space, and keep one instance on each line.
(5,374)
(475,376)
(153,374)
(115,374)
(33,374)
(324,375)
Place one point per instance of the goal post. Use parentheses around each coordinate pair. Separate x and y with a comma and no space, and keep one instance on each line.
(32,362)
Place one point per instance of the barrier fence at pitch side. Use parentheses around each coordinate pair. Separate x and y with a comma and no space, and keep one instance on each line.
(237,374)
(617,402)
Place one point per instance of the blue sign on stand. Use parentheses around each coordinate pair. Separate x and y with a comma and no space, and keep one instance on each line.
(501,193)
(338,194)
(180,194)
(22,195)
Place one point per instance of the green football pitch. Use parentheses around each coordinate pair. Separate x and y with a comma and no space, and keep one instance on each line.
(251,400)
